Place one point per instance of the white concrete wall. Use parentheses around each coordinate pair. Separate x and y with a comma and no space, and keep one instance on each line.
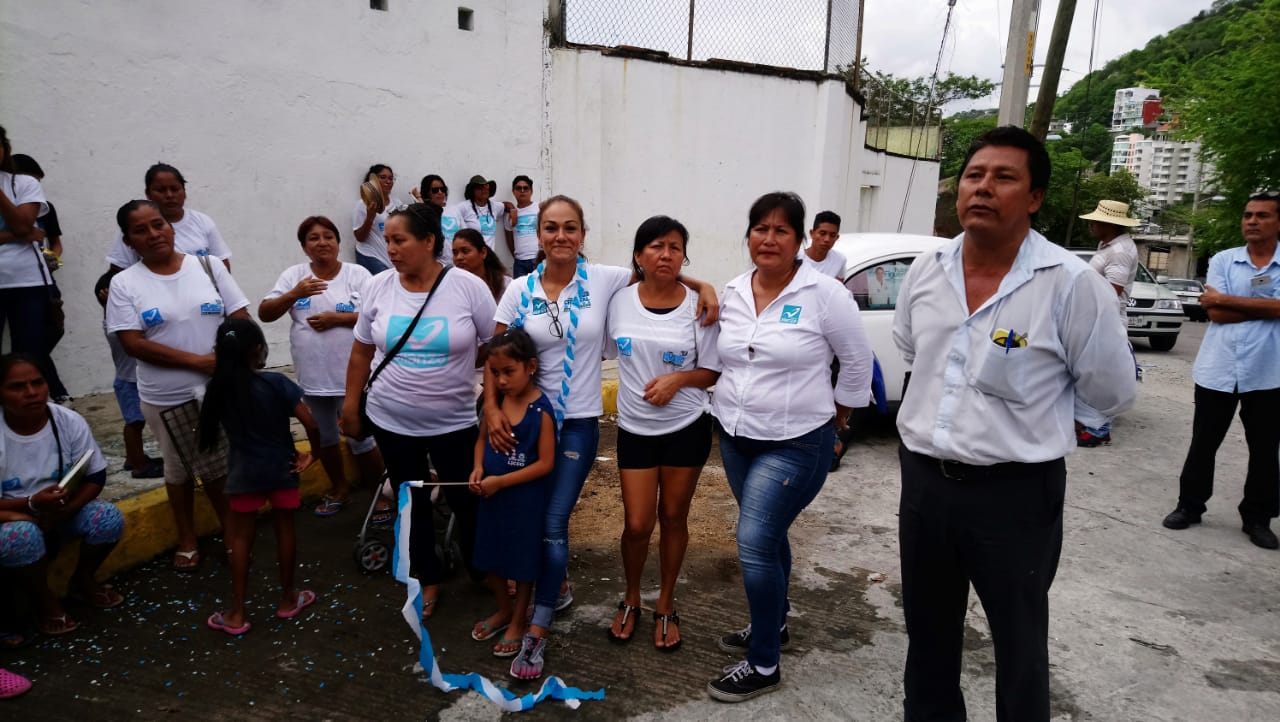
(273,111)
(632,138)
(903,194)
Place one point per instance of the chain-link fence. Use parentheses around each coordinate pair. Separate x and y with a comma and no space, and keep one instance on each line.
(802,34)
(898,120)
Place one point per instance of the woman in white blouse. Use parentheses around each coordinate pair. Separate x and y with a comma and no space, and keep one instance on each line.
(165,310)
(666,361)
(323,298)
(780,326)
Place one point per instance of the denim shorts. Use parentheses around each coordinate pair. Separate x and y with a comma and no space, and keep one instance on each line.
(127,400)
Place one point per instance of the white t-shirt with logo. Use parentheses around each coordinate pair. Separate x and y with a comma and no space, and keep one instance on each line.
(182,311)
(591,302)
(482,218)
(832,265)
(525,231)
(195,234)
(427,389)
(20,265)
(320,357)
(651,344)
(30,464)
(374,245)
(450,224)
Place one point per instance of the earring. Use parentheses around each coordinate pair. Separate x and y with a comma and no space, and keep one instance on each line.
(685,262)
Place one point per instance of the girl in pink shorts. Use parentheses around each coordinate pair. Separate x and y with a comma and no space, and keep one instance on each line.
(254,408)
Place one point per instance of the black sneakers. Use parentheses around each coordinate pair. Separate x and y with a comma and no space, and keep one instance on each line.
(741,682)
(1261,535)
(1180,518)
(738,642)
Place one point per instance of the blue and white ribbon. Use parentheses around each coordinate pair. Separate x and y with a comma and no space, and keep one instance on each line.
(570,333)
(553,687)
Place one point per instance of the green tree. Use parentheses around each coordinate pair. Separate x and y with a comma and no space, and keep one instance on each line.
(1065,200)
(908,101)
(957,134)
(1230,102)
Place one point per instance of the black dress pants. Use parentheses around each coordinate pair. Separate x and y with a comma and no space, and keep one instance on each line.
(999,529)
(1260,414)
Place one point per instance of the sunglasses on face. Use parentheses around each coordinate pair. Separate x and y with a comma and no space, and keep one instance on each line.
(438,189)
(523,188)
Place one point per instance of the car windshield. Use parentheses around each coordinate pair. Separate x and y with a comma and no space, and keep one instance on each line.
(1180,285)
(1144,276)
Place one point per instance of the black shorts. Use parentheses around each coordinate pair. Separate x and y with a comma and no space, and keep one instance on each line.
(688,447)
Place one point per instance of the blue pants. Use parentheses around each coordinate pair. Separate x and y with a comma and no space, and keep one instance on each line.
(522,267)
(371,264)
(576,452)
(22,542)
(773,481)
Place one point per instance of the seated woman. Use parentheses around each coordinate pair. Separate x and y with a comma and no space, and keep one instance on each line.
(39,442)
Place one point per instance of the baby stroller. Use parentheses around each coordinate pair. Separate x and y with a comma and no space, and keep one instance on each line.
(372,549)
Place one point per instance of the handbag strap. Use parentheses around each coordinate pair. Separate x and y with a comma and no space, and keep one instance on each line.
(46,278)
(404,338)
(57,438)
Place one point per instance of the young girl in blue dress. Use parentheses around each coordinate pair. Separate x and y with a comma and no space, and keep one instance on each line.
(254,408)
(514,488)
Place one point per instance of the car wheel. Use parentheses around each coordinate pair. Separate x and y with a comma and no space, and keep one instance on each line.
(1162,343)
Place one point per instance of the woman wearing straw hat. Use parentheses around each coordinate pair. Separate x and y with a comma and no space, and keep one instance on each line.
(1117,261)
(479,211)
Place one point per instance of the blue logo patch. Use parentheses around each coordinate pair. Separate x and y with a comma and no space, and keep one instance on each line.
(449,226)
(488,226)
(345,307)
(213,308)
(427,347)
(582,300)
(525,225)
(303,304)
(675,358)
(790,314)
(11,484)
(382,226)
(202,252)
(152,318)
(539,306)
(624,345)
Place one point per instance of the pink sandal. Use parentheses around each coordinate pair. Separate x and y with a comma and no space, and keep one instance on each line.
(12,685)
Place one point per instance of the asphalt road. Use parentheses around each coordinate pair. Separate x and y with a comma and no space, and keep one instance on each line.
(1148,624)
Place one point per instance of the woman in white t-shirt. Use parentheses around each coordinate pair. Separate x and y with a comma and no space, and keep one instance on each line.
(436,192)
(165,310)
(781,325)
(39,444)
(369,224)
(323,298)
(193,232)
(666,362)
(24,277)
(421,404)
(569,332)
(479,211)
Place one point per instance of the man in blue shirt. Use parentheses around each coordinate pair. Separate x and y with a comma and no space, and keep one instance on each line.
(1237,364)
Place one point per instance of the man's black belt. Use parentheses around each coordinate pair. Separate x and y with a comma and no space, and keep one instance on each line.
(960,471)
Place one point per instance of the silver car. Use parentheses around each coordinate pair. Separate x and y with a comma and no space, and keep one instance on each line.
(1188,291)
(1154,312)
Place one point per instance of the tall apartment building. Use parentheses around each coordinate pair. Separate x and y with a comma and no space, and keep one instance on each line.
(1170,169)
(1127,110)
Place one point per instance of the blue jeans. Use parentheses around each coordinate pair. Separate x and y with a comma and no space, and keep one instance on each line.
(576,452)
(371,264)
(773,481)
(521,267)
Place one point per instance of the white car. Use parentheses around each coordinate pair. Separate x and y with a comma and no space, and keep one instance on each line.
(875,264)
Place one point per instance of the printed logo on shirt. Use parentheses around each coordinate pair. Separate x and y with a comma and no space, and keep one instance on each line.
(382,226)
(341,307)
(488,226)
(303,304)
(211,308)
(624,345)
(202,252)
(539,306)
(449,226)
(675,358)
(790,314)
(152,318)
(526,225)
(582,300)
(427,347)
(10,484)
(516,460)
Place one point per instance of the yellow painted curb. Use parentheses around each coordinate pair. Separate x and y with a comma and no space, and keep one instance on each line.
(609,391)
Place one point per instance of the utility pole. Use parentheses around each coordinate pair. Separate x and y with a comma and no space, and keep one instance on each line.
(1018,57)
(1053,69)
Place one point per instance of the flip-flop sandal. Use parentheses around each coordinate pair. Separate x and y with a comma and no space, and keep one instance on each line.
(382,517)
(12,685)
(329,506)
(186,562)
(672,618)
(487,632)
(429,608)
(104,597)
(58,626)
(629,613)
(507,647)
(306,598)
(216,623)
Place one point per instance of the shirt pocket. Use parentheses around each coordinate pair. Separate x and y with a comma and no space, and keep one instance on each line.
(1003,372)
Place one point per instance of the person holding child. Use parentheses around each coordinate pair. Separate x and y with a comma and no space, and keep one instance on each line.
(513,487)
(254,407)
(39,443)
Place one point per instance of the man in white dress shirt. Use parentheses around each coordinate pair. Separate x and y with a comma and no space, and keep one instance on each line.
(1001,331)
